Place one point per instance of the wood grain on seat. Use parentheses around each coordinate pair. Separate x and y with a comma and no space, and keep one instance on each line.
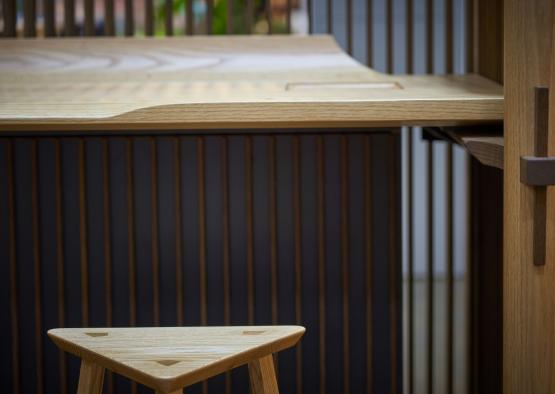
(169,358)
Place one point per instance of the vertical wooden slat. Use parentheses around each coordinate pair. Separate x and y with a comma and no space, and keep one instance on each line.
(189,20)
(149,18)
(83,235)
(392,255)
(49,18)
(429,36)
(298,251)
(107,245)
(430,268)
(209,11)
(129,18)
(229,18)
(329,15)
(202,237)
(349,23)
(29,18)
(89,17)
(309,15)
(273,226)
(390,26)
(410,262)
(69,17)
(226,243)
(131,240)
(249,15)
(202,228)
(268,12)
(107,233)
(449,270)
(344,169)
(250,229)
(288,16)
(321,258)
(449,36)
(10,16)
(109,26)
(60,261)
(368,234)
(154,223)
(410,36)
(369,35)
(131,233)
(14,304)
(178,233)
(169,17)
(470,34)
(36,265)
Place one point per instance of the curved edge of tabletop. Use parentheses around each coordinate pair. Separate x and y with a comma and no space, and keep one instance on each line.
(186,379)
(343,93)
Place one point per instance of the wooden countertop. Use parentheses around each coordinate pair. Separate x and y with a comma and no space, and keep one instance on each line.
(232,82)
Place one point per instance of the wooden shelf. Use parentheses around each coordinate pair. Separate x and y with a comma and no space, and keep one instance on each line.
(488,150)
(222,83)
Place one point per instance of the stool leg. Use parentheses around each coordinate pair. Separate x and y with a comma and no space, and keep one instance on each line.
(91,378)
(263,376)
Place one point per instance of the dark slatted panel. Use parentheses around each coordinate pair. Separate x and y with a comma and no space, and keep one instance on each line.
(49,18)
(169,17)
(288,16)
(9,11)
(29,18)
(296,195)
(430,270)
(149,17)
(189,18)
(89,18)
(60,260)
(229,17)
(368,262)
(321,222)
(249,15)
(209,15)
(369,33)
(129,18)
(430,36)
(349,24)
(69,18)
(109,24)
(410,262)
(389,36)
(224,159)
(209,230)
(268,12)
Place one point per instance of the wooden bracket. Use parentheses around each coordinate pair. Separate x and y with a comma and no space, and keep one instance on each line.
(539,171)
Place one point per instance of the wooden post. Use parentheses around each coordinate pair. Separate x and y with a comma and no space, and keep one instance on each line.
(528,302)
(91,378)
(263,376)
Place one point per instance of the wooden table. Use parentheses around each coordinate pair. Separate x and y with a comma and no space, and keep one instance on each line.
(199,86)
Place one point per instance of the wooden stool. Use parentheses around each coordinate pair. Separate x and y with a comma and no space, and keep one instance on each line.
(168,359)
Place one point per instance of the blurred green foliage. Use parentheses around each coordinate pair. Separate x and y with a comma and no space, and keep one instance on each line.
(219,16)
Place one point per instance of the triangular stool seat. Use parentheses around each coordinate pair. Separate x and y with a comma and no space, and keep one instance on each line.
(170,358)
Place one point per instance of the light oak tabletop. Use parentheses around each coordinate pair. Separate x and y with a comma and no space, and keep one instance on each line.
(231,82)
(169,358)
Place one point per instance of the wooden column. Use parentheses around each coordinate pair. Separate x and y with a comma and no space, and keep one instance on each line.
(529,302)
